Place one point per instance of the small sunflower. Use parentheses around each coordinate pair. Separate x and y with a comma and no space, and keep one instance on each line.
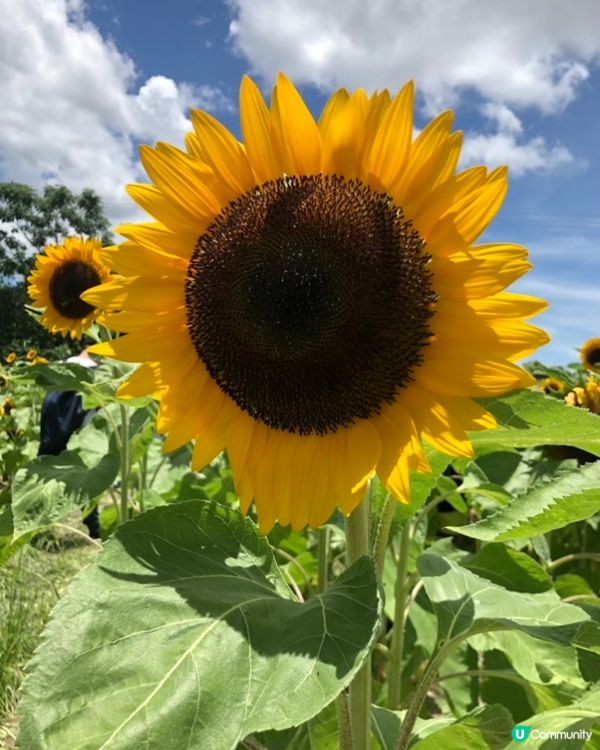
(61,274)
(8,406)
(31,355)
(40,361)
(552,386)
(590,354)
(311,299)
(10,358)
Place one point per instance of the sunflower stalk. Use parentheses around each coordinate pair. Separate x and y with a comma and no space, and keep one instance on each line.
(357,545)
(124,464)
(401,590)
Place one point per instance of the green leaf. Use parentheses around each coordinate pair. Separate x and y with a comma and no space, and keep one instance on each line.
(51,487)
(60,376)
(466,604)
(588,637)
(529,418)
(510,568)
(485,728)
(183,633)
(578,718)
(570,498)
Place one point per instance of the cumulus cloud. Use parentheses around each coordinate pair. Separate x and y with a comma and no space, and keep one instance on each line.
(521,54)
(73,108)
(507,146)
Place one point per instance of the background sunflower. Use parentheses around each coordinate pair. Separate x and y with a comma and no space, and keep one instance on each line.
(311,299)
(61,273)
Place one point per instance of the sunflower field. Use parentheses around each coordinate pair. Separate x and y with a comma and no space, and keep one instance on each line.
(331,507)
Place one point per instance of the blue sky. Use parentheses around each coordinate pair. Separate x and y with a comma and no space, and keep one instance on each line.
(83,83)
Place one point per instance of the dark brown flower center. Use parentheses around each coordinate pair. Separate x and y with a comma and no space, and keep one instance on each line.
(68,281)
(592,357)
(308,300)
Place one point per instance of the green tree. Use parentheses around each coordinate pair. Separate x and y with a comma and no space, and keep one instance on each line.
(30,220)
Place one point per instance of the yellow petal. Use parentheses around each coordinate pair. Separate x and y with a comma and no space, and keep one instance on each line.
(226,156)
(298,132)
(257,128)
(391,145)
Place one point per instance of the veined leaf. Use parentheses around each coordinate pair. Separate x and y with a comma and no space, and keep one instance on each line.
(51,487)
(183,634)
(466,604)
(485,728)
(570,498)
(529,418)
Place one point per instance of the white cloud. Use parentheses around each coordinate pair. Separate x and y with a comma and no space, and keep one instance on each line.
(506,145)
(521,54)
(72,109)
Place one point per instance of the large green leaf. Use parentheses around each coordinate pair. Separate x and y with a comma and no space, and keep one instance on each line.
(529,418)
(510,568)
(577,720)
(183,633)
(51,487)
(466,604)
(570,498)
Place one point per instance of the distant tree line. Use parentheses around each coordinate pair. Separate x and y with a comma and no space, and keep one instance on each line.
(30,220)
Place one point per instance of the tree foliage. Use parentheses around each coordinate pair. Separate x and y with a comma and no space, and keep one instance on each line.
(29,220)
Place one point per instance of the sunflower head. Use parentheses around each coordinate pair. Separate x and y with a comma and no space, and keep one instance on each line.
(8,406)
(31,355)
(40,361)
(10,358)
(61,274)
(587,397)
(590,354)
(552,386)
(313,300)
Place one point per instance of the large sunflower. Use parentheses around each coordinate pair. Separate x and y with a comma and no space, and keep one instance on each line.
(61,273)
(311,299)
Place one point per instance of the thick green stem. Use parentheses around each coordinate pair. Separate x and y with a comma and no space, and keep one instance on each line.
(382,534)
(322,557)
(401,591)
(357,545)
(343,722)
(124,464)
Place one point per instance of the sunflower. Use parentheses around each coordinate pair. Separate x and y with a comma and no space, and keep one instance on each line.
(590,354)
(61,273)
(31,355)
(552,386)
(10,358)
(587,397)
(311,299)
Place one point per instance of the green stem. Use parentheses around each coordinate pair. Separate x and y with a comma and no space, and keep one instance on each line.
(143,478)
(572,557)
(383,534)
(497,673)
(124,464)
(401,591)
(322,557)
(343,722)
(357,545)
(419,696)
